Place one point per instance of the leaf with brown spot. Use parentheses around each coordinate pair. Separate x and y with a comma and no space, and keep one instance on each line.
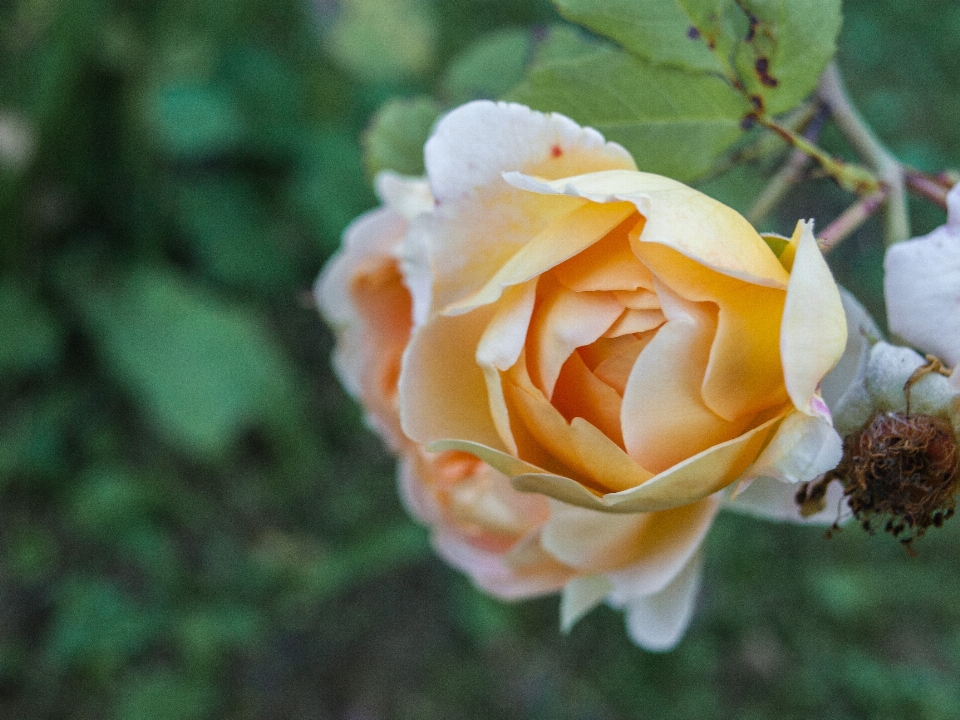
(791,44)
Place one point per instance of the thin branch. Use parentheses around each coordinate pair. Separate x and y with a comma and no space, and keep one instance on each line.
(927,188)
(765,144)
(788,175)
(834,94)
(850,177)
(851,219)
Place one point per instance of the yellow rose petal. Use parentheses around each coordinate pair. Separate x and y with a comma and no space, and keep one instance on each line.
(654,546)
(813,333)
(744,375)
(563,321)
(663,416)
(677,216)
(443,392)
(687,482)
(562,239)
(595,459)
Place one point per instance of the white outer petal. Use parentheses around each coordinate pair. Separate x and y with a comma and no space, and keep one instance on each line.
(409,196)
(922,287)
(774,500)
(803,448)
(473,144)
(580,596)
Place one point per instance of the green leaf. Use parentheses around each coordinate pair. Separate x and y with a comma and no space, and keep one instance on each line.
(791,42)
(564,42)
(201,369)
(660,31)
(738,187)
(103,498)
(488,68)
(383,40)
(165,695)
(775,50)
(195,120)
(397,133)
(237,240)
(31,553)
(687,74)
(32,442)
(329,188)
(97,625)
(674,122)
(207,633)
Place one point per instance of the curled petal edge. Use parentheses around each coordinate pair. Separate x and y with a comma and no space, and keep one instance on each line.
(684,483)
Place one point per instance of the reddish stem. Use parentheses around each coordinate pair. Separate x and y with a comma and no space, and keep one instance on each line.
(850,219)
(927,187)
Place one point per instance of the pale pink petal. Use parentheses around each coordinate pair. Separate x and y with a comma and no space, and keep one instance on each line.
(362,295)
(374,235)
(526,572)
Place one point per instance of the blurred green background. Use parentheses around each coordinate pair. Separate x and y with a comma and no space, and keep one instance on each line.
(194,522)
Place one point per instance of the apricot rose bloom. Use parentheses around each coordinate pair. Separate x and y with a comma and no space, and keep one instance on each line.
(591,359)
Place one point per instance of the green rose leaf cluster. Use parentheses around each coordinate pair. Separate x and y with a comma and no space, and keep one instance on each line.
(678,82)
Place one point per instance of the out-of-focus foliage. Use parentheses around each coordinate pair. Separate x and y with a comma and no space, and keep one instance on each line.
(396,134)
(194,523)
